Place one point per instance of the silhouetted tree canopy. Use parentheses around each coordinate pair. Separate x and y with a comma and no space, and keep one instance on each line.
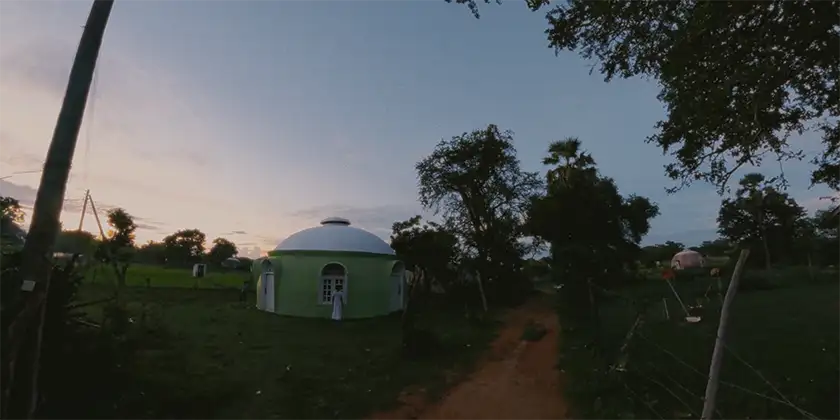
(737,78)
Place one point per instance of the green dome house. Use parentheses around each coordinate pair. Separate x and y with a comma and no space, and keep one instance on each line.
(299,277)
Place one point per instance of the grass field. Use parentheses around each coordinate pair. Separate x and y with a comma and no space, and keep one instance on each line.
(207,355)
(782,324)
(168,277)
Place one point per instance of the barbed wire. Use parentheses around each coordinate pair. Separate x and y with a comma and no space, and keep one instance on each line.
(783,400)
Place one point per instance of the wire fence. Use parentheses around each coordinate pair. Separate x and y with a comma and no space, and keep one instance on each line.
(661,344)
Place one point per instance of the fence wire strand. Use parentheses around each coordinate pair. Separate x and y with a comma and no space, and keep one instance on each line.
(783,400)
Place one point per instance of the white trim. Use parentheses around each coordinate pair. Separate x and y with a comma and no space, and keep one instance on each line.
(397,289)
(333,279)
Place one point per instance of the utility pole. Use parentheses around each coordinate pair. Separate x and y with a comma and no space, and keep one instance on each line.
(25,331)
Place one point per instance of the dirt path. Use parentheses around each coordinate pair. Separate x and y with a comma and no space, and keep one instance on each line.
(516,379)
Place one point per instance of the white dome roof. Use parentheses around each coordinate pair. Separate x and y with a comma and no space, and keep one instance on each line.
(335,234)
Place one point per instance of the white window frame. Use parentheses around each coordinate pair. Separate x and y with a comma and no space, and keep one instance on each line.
(332,279)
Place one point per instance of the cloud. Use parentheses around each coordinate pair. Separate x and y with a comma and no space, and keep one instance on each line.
(26,196)
(22,193)
(376,219)
(41,63)
(235,233)
(147,226)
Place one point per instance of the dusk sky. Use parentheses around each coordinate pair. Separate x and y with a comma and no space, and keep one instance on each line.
(252,120)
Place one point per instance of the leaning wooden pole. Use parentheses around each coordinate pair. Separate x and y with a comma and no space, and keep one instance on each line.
(25,330)
(717,354)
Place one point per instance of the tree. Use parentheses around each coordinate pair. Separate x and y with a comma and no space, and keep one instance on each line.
(122,227)
(594,231)
(737,78)
(11,215)
(119,246)
(222,249)
(75,242)
(152,253)
(650,255)
(184,247)
(427,249)
(718,247)
(475,182)
(760,215)
(10,210)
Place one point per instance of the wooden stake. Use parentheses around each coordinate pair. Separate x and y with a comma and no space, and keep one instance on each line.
(717,354)
(21,386)
(84,210)
(481,291)
(119,273)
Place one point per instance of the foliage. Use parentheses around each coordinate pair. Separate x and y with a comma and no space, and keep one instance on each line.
(122,227)
(427,249)
(650,255)
(11,215)
(602,242)
(166,278)
(716,248)
(97,355)
(737,78)
(152,253)
(205,356)
(475,182)
(184,247)
(75,242)
(760,216)
(222,249)
(10,210)
(670,384)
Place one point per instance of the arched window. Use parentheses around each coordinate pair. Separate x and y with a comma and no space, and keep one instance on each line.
(333,276)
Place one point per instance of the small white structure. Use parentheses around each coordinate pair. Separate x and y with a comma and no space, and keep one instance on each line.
(199,270)
(687,259)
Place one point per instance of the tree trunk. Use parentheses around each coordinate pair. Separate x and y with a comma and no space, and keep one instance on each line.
(481,291)
(21,393)
(766,251)
(717,354)
(810,267)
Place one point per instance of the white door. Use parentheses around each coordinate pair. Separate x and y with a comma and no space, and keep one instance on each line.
(268,291)
(396,292)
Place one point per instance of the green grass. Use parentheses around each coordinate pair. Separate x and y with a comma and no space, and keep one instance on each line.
(204,354)
(168,277)
(781,323)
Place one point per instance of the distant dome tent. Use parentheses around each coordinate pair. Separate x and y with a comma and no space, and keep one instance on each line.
(687,259)
(300,275)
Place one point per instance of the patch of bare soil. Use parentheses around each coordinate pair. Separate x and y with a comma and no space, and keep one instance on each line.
(516,379)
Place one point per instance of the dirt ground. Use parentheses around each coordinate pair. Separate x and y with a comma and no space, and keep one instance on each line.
(516,379)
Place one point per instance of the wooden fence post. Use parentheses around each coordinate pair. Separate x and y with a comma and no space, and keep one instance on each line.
(717,354)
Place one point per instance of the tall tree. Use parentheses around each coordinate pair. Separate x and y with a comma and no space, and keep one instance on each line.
(120,242)
(737,78)
(122,227)
(427,249)
(221,250)
(184,247)
(11,216)
(152,253)
(75,242)
(653,254)
(475,181)
(594,231)
(759,215)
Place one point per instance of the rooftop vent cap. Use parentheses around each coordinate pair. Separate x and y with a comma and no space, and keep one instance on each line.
(335,221)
